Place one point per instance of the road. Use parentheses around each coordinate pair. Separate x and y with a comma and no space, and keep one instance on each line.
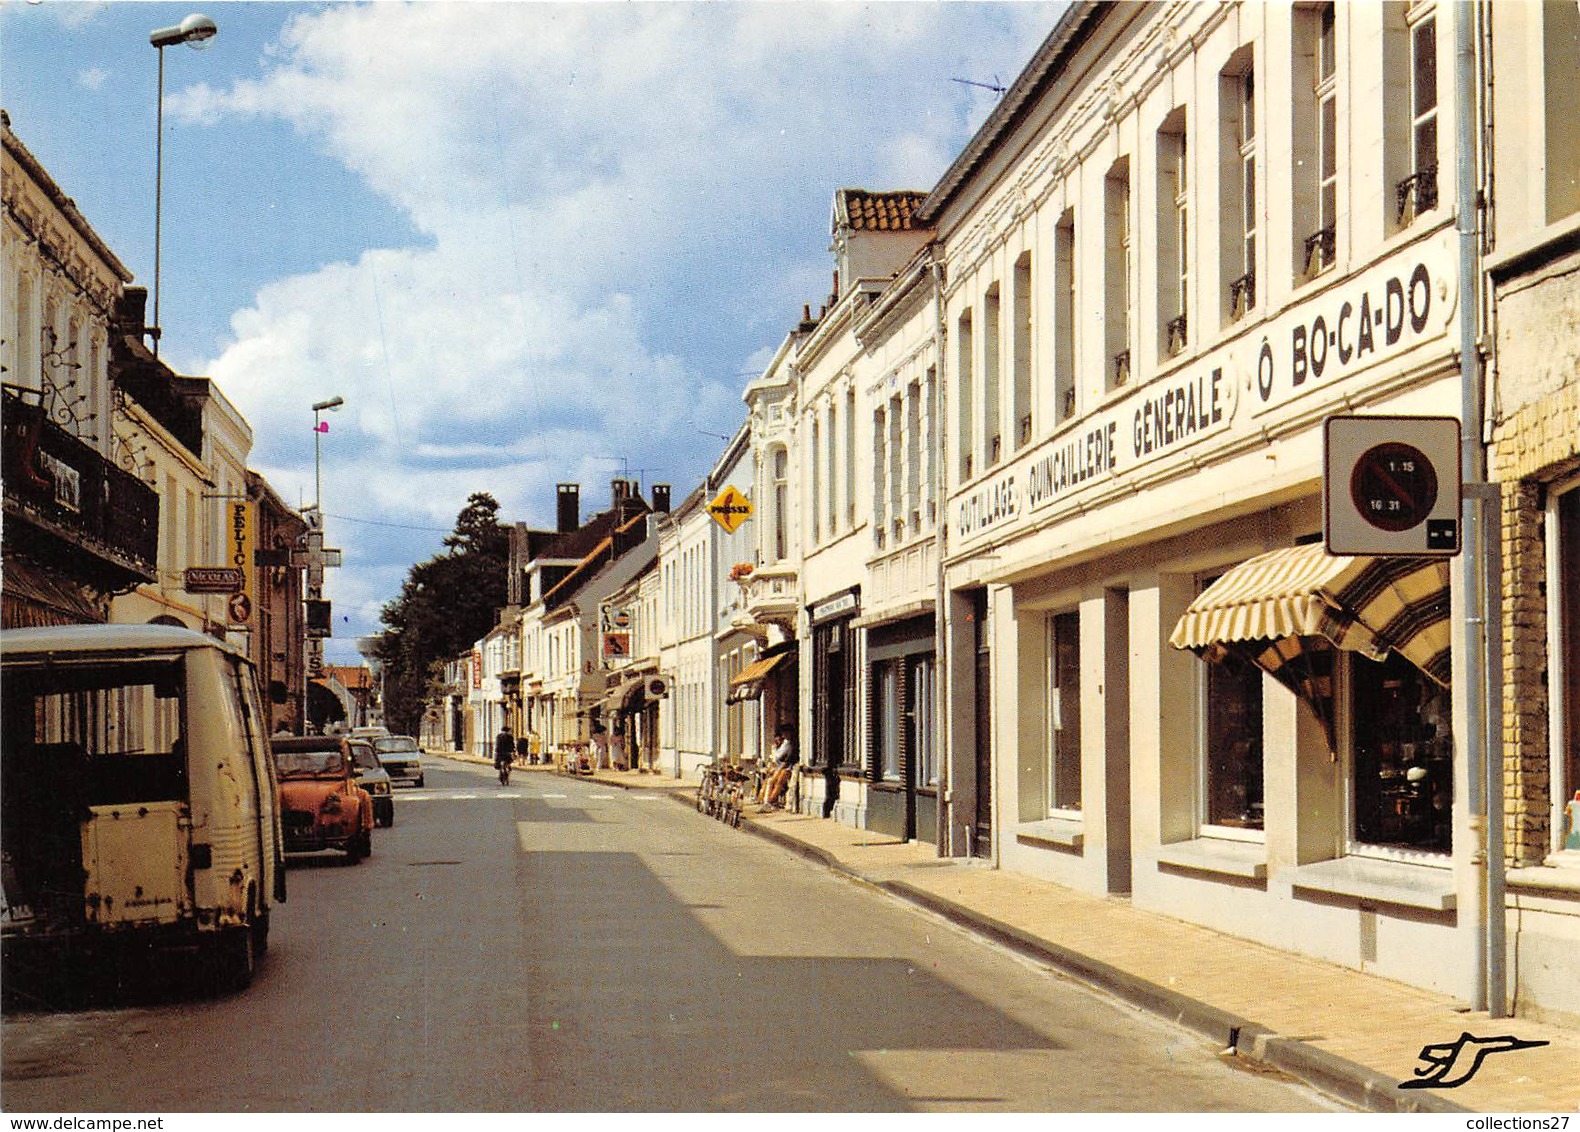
(560,945)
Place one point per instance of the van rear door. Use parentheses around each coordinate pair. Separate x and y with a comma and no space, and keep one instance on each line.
(135,860)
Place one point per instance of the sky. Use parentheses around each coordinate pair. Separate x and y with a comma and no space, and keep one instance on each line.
(528,243)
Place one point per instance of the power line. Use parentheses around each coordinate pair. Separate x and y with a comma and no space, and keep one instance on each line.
(382,523)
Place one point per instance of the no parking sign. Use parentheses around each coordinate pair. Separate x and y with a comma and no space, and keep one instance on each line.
(1391,485)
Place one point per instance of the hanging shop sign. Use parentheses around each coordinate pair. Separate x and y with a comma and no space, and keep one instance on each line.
(241,548)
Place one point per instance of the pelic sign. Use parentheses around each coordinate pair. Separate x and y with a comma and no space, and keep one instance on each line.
(241,542)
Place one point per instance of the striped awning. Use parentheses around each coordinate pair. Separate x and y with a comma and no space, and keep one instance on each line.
(748,682)
(1286,609)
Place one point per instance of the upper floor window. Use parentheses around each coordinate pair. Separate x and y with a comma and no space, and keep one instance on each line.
(880,443)
(966,357)
(1410,109)
(1561,105)
(1020,351)
(992,431)
(816,485)
(850,459)
(913,454)
(1064,317)
(1116,272)
(1316,148)
(1173,235)
(1237,189)
(781,504)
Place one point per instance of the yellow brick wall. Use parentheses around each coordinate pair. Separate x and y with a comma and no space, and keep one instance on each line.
(1533,446)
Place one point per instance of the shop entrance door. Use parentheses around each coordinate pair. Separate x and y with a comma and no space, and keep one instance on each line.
(982,830)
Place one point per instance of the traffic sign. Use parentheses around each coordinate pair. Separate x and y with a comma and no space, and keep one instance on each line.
(1391,485)
(730,509)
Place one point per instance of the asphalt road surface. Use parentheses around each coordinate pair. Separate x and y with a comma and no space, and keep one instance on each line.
(559,945)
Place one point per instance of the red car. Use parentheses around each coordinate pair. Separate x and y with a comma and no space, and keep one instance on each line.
(321,805)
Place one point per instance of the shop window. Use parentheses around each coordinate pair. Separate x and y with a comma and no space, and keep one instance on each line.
(1402,757)
(1064,317)
(1232,744)
(923,739)
(1237,185)
(888,739)
(1563,595)
(1064,712)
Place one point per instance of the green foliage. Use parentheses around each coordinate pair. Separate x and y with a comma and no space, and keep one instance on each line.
(446,605)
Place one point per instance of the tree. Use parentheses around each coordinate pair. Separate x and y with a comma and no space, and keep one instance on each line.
(446,604)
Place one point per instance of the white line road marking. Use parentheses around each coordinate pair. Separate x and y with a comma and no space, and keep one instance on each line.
(600,797)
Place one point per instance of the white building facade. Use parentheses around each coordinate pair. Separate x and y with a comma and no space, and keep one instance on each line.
(1186,237)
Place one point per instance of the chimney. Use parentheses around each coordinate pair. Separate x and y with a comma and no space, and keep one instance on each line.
(570,507)
(661,497)
(619,489)
(132,316)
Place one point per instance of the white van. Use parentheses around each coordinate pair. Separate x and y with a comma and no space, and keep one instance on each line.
(138,802)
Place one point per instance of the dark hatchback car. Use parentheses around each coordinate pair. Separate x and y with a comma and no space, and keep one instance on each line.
(401,758)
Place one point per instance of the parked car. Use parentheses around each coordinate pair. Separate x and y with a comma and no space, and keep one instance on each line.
(139,800)
(373,778)
(321,805)
(401,757)
(368,732)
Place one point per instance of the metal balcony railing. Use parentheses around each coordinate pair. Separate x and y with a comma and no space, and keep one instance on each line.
(1176,331)
(67,487)
(1242,295)
(1415,194)
(1319,250)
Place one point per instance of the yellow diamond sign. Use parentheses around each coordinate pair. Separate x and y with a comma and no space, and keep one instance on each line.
(730,509)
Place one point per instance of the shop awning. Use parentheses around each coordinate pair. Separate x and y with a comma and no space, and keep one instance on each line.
(627,697)
(748,682)
(1285,610)
(34,599)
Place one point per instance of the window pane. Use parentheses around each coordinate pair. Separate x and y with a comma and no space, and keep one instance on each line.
(1425,65)
(1426,145)
(1234,744)
(1404,782)
(1330,148)
(1064,708)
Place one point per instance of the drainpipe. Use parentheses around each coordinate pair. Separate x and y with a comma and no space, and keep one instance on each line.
(942,715)
(1481,569)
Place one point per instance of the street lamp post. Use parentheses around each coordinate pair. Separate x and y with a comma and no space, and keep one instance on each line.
(319,428)
(316,557)
(195,31)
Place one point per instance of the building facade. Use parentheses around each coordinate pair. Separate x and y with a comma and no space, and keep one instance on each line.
(1186,237)
(1533,269)
(81,521)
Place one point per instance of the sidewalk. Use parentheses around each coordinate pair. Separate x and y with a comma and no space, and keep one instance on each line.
(1354,1036)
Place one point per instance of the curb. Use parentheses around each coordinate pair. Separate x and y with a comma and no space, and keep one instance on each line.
(1335,1076)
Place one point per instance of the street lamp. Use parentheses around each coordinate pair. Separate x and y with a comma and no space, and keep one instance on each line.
(319,428)
(195,31)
